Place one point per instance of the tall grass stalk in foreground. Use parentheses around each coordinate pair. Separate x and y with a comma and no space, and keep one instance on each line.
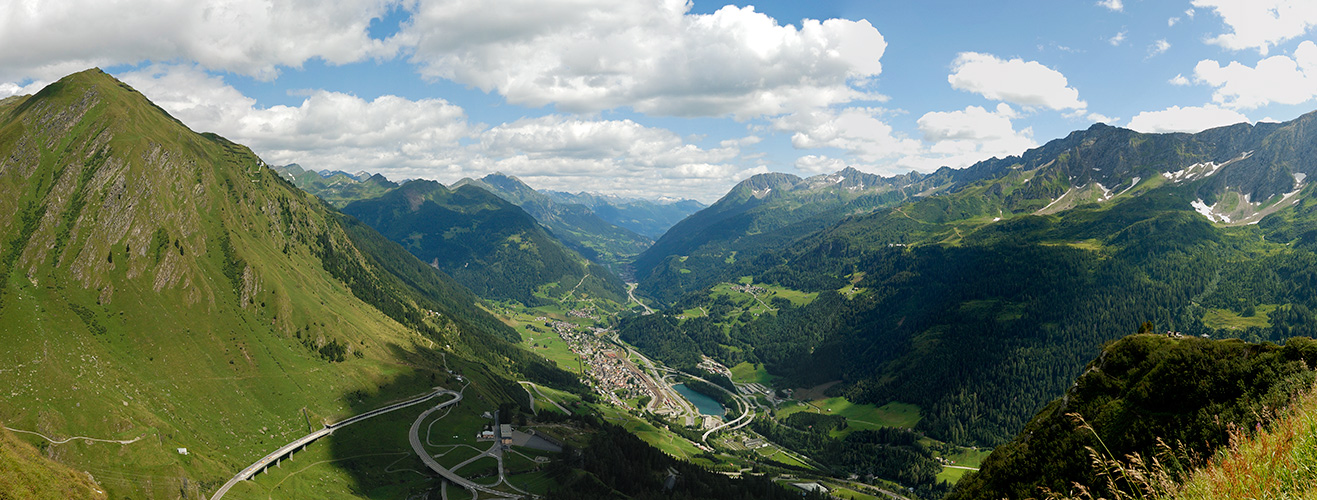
(1276,463)
(1279,463)
(1134,478)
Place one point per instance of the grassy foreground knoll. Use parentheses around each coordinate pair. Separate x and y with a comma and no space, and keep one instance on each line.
(1280,462)
(1147,394)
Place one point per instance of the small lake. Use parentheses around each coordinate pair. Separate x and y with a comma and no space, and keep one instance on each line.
(705,404)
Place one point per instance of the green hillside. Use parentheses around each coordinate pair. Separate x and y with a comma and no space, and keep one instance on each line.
(24,473)
(1278,462)
(575,225)
(164,285)
(489,245)
(1189,393)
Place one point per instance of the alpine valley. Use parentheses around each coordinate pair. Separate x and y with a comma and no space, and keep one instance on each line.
(182,320)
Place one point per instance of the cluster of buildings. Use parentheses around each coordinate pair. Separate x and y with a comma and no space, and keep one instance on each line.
(611,373)
(750,289)
(584,312)
(709,365)
(616,377)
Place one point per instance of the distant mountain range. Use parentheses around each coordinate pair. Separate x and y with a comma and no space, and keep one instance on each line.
(765,212)
(979,294)
(336,187)
(649,218)
(609,230)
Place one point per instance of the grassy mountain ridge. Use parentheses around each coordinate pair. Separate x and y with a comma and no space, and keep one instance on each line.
(491,246)
(1240,174)
(163,284)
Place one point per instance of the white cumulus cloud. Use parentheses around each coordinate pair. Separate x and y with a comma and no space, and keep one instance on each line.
(1189,119)
(961,138)
(1260,24)
(433,139)
(12,89)
(1027,83)
(857,131)
(1113,5)
(1117,39)
(819,164)
(1276,79)
(1158,47)
(49,39)
(564,145)
(327,130)
(649,55)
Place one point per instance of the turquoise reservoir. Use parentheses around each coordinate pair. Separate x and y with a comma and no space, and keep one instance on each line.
(705,404)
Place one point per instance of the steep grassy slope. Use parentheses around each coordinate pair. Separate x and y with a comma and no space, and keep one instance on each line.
(25,474)
(577,226)
(161,284)
(1188,392)
(1280,462)
(491,246)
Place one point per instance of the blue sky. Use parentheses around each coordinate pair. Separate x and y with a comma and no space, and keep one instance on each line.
(666,98)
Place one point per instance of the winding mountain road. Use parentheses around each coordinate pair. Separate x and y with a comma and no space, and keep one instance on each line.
(630,292)
(84,438)
(274,457)
(415,438)
(546,398)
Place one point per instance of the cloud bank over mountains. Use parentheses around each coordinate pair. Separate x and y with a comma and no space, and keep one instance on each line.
(622,96)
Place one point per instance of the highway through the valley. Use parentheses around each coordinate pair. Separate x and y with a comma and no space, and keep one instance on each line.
(630,292)
(274,457)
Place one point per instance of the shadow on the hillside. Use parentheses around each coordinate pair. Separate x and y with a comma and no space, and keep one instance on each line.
(376,454)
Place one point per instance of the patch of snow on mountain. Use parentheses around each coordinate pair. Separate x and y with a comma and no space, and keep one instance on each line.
(1202,208)
(1133,182)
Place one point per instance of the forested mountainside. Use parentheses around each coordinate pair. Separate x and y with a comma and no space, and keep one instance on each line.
(983,301)
(648,218)
(1173,400)
(575,225)
(763,213)
(336,188)
(489,245)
